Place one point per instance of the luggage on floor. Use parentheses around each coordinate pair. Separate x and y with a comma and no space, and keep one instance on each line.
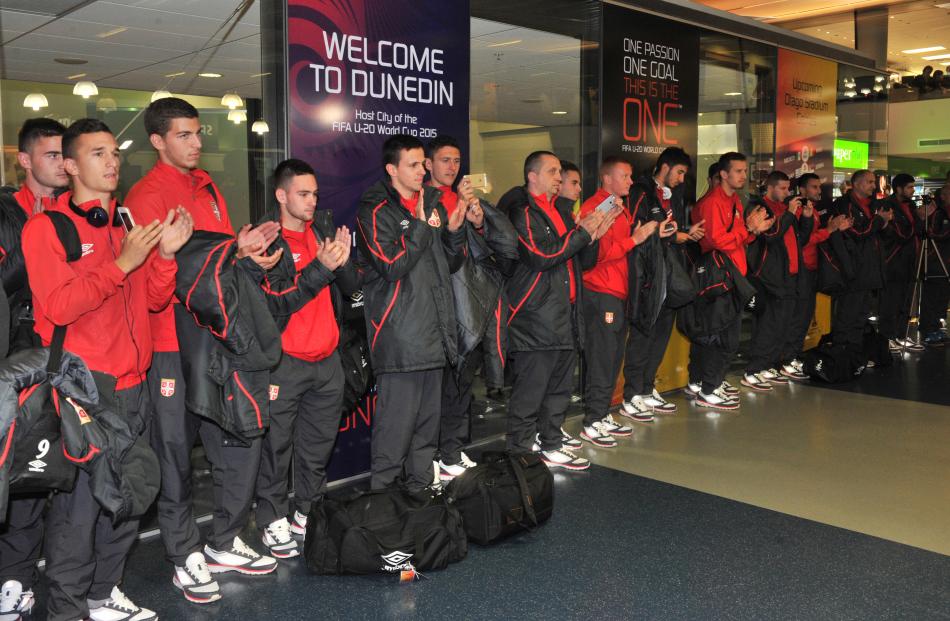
(387,531)
(503,495)
(832,364)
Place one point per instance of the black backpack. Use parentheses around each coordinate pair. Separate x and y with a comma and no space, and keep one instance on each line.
(386,531)
(503,495)
(831,364)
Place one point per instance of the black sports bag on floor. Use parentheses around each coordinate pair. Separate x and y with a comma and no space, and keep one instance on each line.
(385,531)
(503,495)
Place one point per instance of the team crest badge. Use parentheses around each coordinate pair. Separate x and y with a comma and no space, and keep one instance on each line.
(434,219)
(608,317)
(167,387)
(273,392)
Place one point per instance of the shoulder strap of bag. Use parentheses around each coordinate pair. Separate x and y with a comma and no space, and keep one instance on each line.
(526,500)
(69,238)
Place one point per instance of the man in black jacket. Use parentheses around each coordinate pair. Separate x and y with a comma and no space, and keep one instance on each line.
(936,289)
(306,390)
(544,293)
(40,155)
(411,246)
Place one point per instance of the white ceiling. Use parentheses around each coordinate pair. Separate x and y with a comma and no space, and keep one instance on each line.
(161,37)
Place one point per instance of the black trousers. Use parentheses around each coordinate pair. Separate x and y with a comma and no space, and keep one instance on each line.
(406,428)
(456,409)
(933,307)
(21,539)
(305,409)
(644,355)
(540,394)
(234,466)
(771,325)
(85,551)
(802,313)
(894,309)
(849,316)
(715,354)
(604,329)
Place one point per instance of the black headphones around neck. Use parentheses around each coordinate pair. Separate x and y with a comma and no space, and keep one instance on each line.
(96,216)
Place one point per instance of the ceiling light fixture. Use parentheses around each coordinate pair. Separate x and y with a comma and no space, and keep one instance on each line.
(106,104)
(160,94)
(924,50)
(76,77)
(209,74)
(850,93)
(232,101)
(109,33)
(878,88)
(174,75)
(937,57)
(503,44)
(125,145)
(260,127)
(559,112)
(85,89)
(733,94)
(260,75)
(865,91)
(237,116)
(35,101)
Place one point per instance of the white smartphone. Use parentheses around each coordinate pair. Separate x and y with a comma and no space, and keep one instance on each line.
(607,204)
(126,216)
(479,181)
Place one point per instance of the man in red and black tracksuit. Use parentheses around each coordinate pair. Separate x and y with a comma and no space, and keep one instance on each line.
(103,299)
(411,246)
(773,260)
(900,245)
(544,330)
(809,188)
(852,307)
(728,232)
(306,389)
(41,157)
(604,302)
(657,198)
(175,132)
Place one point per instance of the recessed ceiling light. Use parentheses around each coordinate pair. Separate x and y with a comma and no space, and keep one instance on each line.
(174,75)
(209,74)
(125,145)
(731,94)
(70,61)
(109,33)
(559,112)
(923,50)
(260,75)
(937,57)
(76,77)
(503,44)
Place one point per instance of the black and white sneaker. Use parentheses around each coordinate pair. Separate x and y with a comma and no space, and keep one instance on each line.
(279,541)
(792,372)
(910,344)
(597,435)
(118,608)
(637,410)
(14,601)
(717,400)
(614,428)
(299,524)
(658,403)
(756,382)
(195,581)
(240,558)
(729,389)
(692,390)
(773,376)
(563,458)
(570,441)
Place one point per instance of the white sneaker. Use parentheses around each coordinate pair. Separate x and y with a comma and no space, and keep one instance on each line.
(570,441)
(774,376)
(195,581)
(658,403)
(756,381)
(728,388)
(692,390)
(792,372)
(597,435)
(279,541)
(717,400)
(563,458)
(893,345)
(911,345)
(637,410)
(119,608)
(240,558)
(616,429)
(798,364)
(468,463)
(14,601)
(299,525)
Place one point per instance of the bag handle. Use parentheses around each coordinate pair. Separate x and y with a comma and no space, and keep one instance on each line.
(526,501)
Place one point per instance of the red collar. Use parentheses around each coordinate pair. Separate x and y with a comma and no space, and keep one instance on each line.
(543,201)
(196,176)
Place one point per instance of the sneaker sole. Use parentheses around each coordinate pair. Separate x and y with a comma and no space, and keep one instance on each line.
(779,381)
(600,443)
(621,434)
(665,410)
(551,464)
(636,420)
(720,406)
(217,568)
(283,555)
(756,388)
(573,447)
(195,599)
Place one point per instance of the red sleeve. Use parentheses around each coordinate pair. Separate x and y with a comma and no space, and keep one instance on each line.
(609,248)
(63,294)
(161,281)
(718,236)
(145,205)
(818,236)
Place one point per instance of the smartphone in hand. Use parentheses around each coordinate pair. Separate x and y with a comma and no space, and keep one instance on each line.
(126,217)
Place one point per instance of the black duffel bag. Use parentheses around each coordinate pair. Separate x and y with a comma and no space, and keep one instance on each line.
(832,364)
(386,531)
(503,495)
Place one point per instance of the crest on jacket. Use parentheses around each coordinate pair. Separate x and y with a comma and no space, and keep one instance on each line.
(167,387)
(272,391)
(434,219)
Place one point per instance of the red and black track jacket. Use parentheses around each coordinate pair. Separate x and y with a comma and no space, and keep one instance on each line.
(409,308)
(900,241)
(539,290)
(725,226)
(863,241)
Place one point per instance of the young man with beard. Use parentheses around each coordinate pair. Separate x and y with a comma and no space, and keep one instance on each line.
(103,299)
(728,232)
(543,294)
(654,199)
(604,304)
(174,131)
(306,391)
(411,246)
(40,156)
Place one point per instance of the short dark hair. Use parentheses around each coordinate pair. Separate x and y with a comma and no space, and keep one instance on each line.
(774,177)
(714,169)
(804,179)
(161,112)
(34,129)
(396,144)
(288,169)
(442,140)
(672,156)
(902,179)
(610,162)
(726,160)
(567,167)
(77,129)
(533,162)
(860,173)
